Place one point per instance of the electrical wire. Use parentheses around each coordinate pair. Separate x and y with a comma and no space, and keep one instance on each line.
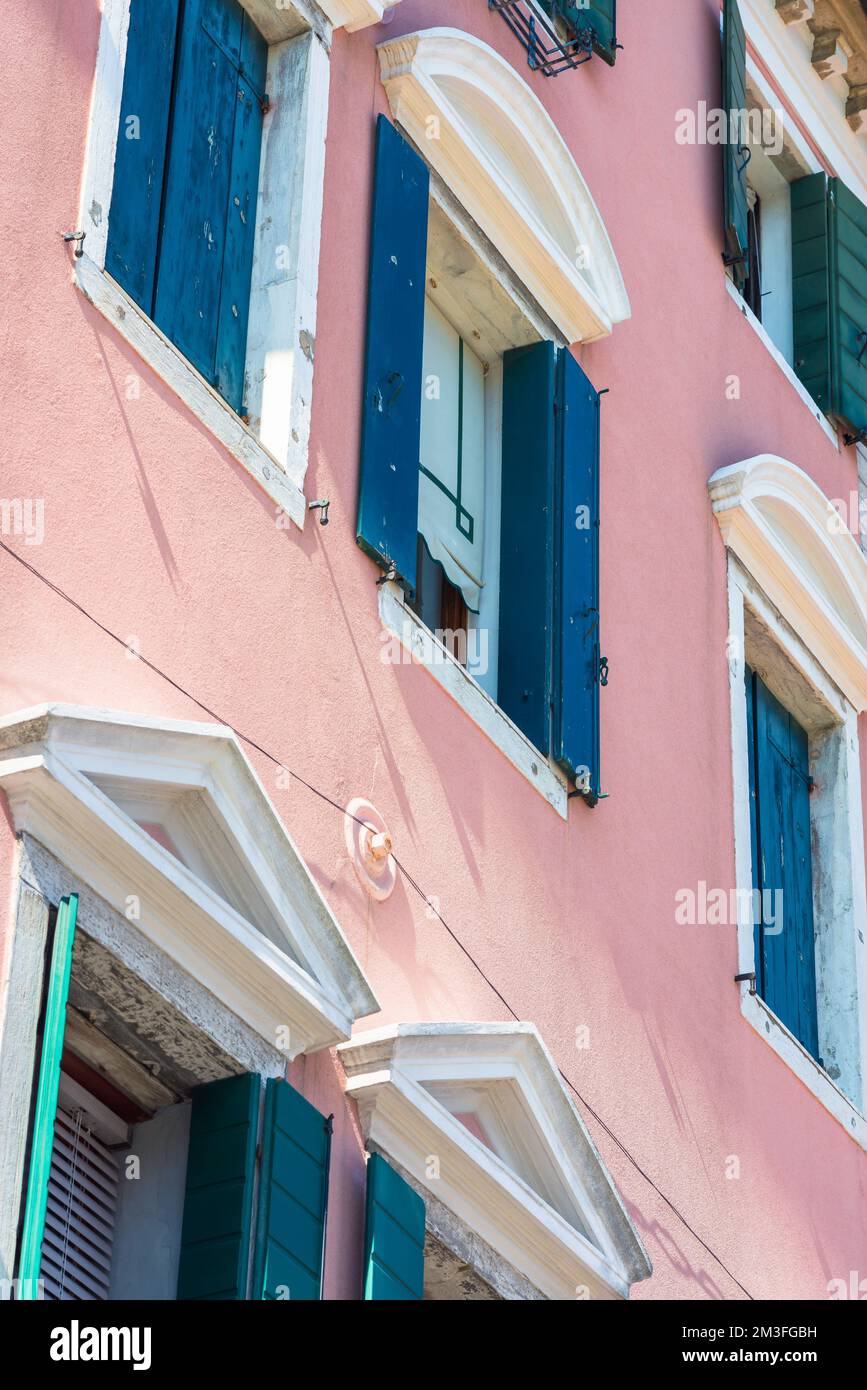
(413,883)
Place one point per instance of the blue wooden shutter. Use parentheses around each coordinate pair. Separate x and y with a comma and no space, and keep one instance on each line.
(215,1240)
(293,1194)
(735,155)
(785,959)
(56,992)
(527,540)
(577,653)
(139,166)
(206,243)
(391,409)
(394,1230)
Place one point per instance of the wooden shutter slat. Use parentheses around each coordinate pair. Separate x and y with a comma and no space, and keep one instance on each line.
(139,167)
(80,1209)
(292,1197)
(387,526)
(394,1236)
(526,541)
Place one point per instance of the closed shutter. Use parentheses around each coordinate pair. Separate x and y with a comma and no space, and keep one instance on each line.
(735,153)
(394,1232)
(391,412)
(829,296)
(577,652)
(218,1205)
(293,1194)
(56,992)
(80,1213)
(142,137)
(527,541)
(785,943)
(206,246)
(183,211)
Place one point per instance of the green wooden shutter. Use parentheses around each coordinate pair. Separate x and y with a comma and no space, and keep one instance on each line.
(391,411)
(209,214)
(526,540)
(218,1205)
(785,947)
(811,287)
(139,166)
(293,1194)
(829,296)
(735,154)
(394,1232)
(577,652)
(56,992)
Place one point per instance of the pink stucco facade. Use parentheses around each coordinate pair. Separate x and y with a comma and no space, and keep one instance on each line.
(158,534)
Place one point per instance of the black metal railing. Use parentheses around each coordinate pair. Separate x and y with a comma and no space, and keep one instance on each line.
(554,39)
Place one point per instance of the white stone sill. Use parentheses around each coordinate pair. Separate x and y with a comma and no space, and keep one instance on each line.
(788,372)
(805,1067)
(197,395)
(475,702)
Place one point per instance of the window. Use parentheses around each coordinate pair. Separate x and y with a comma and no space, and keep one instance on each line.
(201,209)
(520,1203)
(480,430)
(780,785)
(797,644)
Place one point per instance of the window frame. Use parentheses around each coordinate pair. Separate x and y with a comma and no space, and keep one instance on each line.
(273,447)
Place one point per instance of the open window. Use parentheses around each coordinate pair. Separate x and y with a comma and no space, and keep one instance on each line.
(798,682)
(479,490)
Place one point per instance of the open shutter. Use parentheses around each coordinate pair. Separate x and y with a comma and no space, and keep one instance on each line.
(785,946)
(526,540)
(829,296)
(577,653)
(811,285)
(293,1195)
(391,410)
(206,244)
(139,166)
(56,992)
(215,1240)
(393,1235)
(735,154)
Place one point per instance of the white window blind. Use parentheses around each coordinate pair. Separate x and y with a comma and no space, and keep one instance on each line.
(82,1203)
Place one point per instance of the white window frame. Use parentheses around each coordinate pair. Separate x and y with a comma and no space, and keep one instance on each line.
(273,447)
(816,644)
(386,1074)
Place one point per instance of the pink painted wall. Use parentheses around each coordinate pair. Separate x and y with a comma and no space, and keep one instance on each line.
(154,530)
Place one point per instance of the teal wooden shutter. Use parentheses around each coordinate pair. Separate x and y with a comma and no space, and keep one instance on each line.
(785,943)
(391,410)
(56,992)
(577,653)
(829,296)
(209,214)
(526,540)
(811,287)
(139,166)
(218,1205)
(735,154)
(293,1195)
(394,1228)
